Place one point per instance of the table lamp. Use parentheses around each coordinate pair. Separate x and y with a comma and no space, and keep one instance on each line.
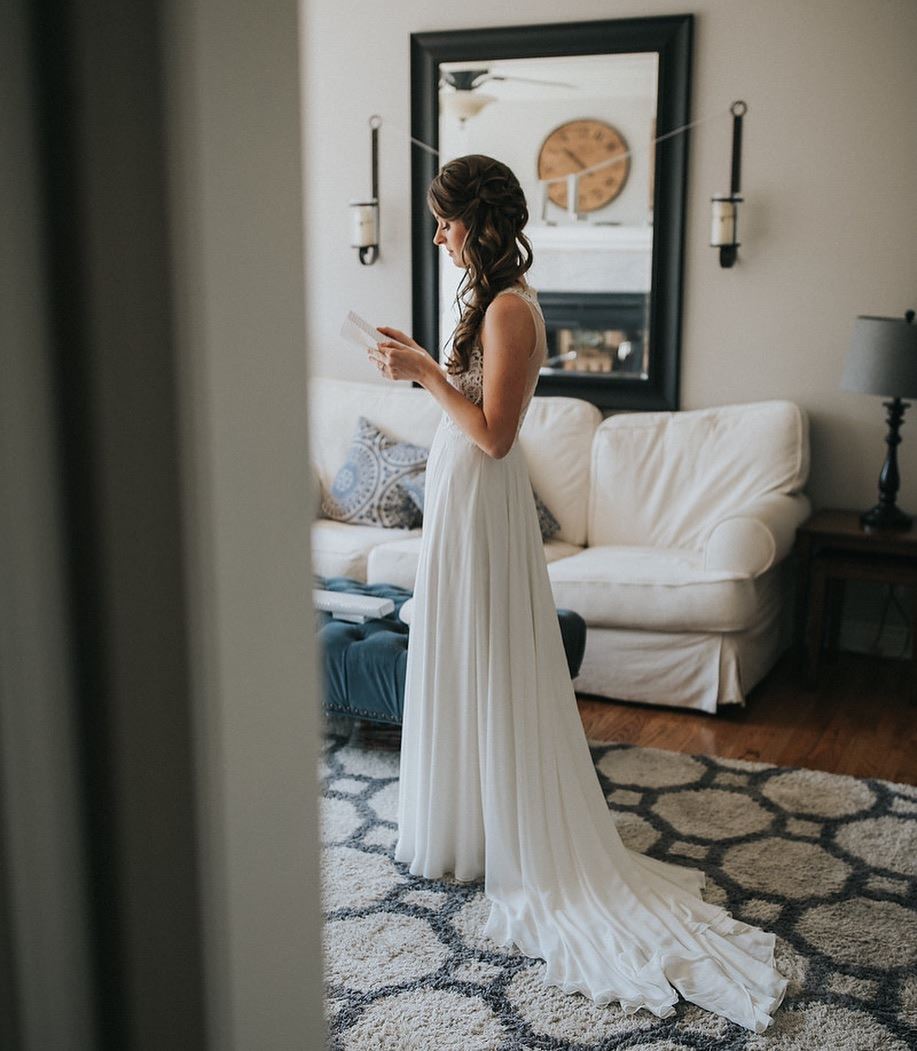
(883,360)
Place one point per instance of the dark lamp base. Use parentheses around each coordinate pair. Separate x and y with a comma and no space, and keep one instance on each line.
(885,516)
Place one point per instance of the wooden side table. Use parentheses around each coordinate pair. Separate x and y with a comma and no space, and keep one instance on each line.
(832,548)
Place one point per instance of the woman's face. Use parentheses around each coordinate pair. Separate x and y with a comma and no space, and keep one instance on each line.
(452,234)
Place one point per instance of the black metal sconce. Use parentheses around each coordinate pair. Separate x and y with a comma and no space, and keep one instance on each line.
(724,231)
(364,215)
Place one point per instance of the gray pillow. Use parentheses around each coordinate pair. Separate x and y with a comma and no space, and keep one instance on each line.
(369,488)
(547,523)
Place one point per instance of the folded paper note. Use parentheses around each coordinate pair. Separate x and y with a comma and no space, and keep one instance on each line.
(361,332)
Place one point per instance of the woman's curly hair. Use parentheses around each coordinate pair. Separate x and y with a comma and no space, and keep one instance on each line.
(485,195)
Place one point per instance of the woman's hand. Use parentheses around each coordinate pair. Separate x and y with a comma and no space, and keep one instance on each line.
(400,358)
(399,336)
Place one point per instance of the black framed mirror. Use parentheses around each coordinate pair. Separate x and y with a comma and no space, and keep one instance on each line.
(553,101)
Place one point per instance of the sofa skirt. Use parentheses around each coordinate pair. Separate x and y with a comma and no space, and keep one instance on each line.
(700,670)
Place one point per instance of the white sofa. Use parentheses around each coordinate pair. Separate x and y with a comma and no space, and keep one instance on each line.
(675,529)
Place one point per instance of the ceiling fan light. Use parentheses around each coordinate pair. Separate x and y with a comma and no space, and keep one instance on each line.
(465,104)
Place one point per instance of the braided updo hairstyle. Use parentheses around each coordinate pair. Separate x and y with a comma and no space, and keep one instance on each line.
(485,195)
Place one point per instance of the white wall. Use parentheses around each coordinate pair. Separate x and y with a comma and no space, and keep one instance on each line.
(830,152)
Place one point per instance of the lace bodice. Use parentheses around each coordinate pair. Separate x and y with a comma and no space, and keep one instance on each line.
(471,381)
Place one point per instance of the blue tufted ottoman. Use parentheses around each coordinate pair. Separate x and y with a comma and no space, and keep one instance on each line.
(364,664)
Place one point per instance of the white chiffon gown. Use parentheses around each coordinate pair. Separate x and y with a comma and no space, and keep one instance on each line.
(496,777)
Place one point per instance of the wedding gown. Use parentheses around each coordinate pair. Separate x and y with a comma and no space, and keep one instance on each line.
(496,777)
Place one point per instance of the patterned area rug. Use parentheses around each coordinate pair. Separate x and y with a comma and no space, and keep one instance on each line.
(829,863)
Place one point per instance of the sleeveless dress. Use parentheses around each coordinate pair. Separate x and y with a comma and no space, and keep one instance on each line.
(496,777)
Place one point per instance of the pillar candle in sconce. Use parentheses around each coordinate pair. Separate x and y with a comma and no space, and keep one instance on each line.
(724,205)
(723,229)
(363,226)
(364,215)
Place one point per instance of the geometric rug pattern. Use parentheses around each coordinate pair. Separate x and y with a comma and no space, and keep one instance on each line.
(825,861)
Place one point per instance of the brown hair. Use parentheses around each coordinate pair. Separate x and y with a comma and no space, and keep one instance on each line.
(486,196)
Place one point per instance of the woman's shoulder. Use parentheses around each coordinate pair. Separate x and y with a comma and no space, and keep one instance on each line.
(521,286)
(509,300)
(509,316)
(506,305)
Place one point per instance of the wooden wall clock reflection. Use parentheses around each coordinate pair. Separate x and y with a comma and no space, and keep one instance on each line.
(579,144)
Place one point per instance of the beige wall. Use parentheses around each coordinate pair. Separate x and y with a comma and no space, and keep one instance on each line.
(829,159)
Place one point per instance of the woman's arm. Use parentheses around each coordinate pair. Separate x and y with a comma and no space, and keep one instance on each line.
(507,339)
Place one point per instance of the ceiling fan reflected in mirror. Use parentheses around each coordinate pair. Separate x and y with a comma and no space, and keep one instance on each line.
(465,100)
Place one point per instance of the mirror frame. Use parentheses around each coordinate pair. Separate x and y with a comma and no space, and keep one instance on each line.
(671,38)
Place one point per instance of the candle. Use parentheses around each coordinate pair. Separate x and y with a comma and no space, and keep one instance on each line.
(723,229)
(363,230)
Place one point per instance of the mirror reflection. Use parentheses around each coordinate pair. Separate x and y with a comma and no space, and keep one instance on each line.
(578,132)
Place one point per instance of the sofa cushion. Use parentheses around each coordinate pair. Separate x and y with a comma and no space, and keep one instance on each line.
(665,479)
(547,523)
(396,563)
(340,549)
(405,413)
(415,485)
(556,437)
(664,589)
(367,488)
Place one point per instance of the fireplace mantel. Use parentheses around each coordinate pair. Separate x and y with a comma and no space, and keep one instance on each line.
(584,257)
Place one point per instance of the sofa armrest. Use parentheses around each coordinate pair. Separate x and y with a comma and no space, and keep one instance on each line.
(758,536)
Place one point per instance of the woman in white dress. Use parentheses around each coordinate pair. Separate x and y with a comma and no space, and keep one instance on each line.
(496,777)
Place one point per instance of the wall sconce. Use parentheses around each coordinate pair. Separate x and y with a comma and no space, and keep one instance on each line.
(364,215)
(723,233)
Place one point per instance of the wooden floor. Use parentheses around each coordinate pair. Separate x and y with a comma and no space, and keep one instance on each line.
(860,721)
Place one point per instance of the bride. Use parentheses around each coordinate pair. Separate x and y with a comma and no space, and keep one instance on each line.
(496,778)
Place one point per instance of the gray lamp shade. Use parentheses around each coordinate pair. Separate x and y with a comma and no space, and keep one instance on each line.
(882,358)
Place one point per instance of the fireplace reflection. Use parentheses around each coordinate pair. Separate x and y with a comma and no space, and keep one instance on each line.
(596,332)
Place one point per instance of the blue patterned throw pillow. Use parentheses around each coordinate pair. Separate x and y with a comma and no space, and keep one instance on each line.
(370,487)
(413,485)
(547,523)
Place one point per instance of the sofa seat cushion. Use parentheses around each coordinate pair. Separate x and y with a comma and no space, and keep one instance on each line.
(660,589)
(396,562)
(341,549)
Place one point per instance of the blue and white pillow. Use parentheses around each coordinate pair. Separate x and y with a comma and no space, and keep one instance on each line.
(547,523)
(369,489)
(414,487)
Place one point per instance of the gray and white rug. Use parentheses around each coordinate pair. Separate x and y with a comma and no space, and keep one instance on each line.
(827,862)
